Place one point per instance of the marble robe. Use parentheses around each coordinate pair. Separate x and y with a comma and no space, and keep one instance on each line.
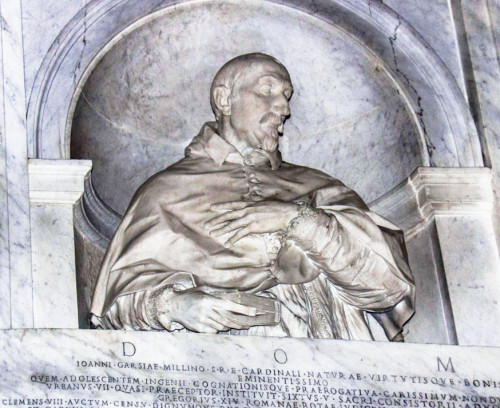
(328,269)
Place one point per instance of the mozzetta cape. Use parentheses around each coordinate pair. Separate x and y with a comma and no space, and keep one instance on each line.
(334,263)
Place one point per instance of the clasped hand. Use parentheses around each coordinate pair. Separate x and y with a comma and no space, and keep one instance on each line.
(200,311)
(244,218)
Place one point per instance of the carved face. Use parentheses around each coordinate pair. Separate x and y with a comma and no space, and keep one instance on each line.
(259,104)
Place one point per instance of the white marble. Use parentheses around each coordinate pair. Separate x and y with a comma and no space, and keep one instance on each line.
(16,227)
(67,58)
(64,64)
(494,14)
(482,21)
(160,370)
(433,321)
(447,132)
(480,18)
(57,181)
(4,219)
(430,191)
(55,186)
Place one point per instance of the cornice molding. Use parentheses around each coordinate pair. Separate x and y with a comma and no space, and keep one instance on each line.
(432,191)
(57,182)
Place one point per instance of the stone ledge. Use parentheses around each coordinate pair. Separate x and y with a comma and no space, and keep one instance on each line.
(57,181)
(164,370)
(432,191)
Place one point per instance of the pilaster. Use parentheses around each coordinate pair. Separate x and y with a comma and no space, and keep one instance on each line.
(15,247)
(457,203)
(55,186)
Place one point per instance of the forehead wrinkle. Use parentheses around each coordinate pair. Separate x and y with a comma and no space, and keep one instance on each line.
(243,75)
(275,78)
(272,75)
(282,79)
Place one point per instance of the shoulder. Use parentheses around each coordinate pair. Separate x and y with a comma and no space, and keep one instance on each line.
(309,173)
(327,190)
(167,182)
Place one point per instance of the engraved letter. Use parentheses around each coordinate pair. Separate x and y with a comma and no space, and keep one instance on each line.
(280,356)
(128,349)
(447,367)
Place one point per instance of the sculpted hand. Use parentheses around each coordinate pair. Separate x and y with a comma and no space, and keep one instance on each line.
(201,312)
(251,218)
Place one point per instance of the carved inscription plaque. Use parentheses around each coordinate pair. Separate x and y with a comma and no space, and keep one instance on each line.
(76,368)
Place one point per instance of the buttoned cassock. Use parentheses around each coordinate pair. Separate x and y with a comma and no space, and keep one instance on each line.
(332,265)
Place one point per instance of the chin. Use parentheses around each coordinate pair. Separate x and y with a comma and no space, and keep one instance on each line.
(269,143)
(270,147)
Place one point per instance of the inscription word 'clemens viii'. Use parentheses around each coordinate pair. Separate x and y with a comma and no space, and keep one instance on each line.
(233,238)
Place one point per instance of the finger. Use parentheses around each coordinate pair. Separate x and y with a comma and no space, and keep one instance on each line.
(222,320)
(229,321)
(215,324)
(231,226)
(242,233)
(230,205)
(225,304)
(164,321)
(202,328)
(229,216)
(208,325)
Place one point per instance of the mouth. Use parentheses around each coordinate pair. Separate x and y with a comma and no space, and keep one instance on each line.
(275,130)
(276,127)
(274,122)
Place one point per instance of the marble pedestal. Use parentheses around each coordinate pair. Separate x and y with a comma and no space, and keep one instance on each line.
(162,370)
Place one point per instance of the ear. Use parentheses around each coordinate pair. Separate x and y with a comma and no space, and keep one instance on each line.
(222,100)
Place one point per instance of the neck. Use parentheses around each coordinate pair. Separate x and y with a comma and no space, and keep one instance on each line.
(229,134)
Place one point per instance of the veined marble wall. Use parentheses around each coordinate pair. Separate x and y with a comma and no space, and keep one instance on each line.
(393,86)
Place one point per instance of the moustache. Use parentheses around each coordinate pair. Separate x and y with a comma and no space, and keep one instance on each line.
(271,117)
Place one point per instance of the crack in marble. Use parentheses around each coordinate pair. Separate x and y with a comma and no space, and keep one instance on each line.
(101,115)
(84,41)
(5,26)
(420,112)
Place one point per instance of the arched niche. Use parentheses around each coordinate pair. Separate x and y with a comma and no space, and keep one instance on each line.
(447,132)
(148,95)
(432,126)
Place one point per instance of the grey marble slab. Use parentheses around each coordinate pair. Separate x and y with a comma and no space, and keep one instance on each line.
(63,368)
(473,281)
(4,221)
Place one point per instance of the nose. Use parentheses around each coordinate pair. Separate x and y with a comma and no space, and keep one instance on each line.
(281,106)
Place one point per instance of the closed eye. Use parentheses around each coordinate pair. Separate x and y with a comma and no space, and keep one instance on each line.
(266,89)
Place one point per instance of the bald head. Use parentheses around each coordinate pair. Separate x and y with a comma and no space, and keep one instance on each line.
(234,70)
